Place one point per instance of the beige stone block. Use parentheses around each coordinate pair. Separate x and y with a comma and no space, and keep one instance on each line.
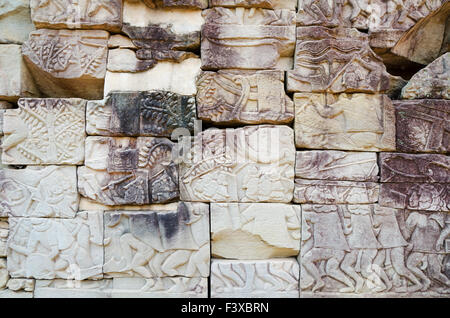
(359,122)
(7,293)
(19,284)
(273,4)
(44,131)
(63,288)
(4,232)
(254,230)
(119,41)
(4,276)
(15,21)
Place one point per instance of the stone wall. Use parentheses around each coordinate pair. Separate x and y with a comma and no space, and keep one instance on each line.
(186,148)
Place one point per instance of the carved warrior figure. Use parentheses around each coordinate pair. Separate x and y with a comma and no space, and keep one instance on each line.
(243,97)
(371,249)
(157,244)
(44,131)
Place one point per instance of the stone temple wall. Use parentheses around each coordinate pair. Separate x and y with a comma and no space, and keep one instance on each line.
(230,148)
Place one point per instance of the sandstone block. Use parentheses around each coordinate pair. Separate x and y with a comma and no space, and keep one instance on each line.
(336,165)
(15,79)
(62,288)
(49,191)
(232,38)
(82,14)
(188,4)
(335,192)
(249,164)
(4,276)
(265,4)
(272,278)
(422,125)
(7,293)
(68,63)
(254,230)
(15,21)
(251,97)
(56,248)
(158,243)
(156,113)
(335,61)
(431,82)
(4,232)
(21,284)
(44,132)
(344,122)
(402,167)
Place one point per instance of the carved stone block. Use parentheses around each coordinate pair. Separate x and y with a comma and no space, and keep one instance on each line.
(360,122)
(4,276)
(335,61)
(416,196)
(188,4)
(336,165)
(158,243)
(68,63)
(251,97)
(249,164)
(372,251)
(422,125)
(45,131)
(15,21)
(82,14)
(15,80)
(265,4)
(254,230)
(156,113)
(39,192)
(272,278)
(335,192)
(246,38)
(56,248)
(402,167)
(4,231)
(431,82)
(126,170)
(21,284)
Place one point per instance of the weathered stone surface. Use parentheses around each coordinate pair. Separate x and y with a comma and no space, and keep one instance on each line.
(402,167)
(19,284)
(416,196)
(44,131)
(7,293)
(167,76)
(125,60)
(15,21)
(4,276)
(15,80)
(162,287)
(272,278)
(4,231)
(39,192)
(56,248)
(249,164)
(158,243)
(246,38)
(429,38)
(68,63)
(254,230)
(360,122)
(156,113)
(334,61)
(432,82)
(336,165)
(119,41)
(366,248)
(265,4)
(335,192)
(82,14)
(189,4)
(422,125)
(128,171)
(5,105)
(251,97)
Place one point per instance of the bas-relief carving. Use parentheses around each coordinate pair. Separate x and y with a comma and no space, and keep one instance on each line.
(335,61)
(4,232)
(370,250)
(249,164)
(231,38)
(44,131)
(416,196)
(4,276)
(156,113)
(251,97)
(402,167)
(39,192)
(335,192)
(254,230)
(272,278)
(127,170)
(190,4)
(360,122)
(56,248)
(81,14)
(336,165)
(158,244)
(68,63)
(422,125)
(265,4)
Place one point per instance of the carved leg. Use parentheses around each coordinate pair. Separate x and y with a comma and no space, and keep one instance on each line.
(347,267)
(308,263)
(413,264)
(332,269)
(398,260)
(436,269)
